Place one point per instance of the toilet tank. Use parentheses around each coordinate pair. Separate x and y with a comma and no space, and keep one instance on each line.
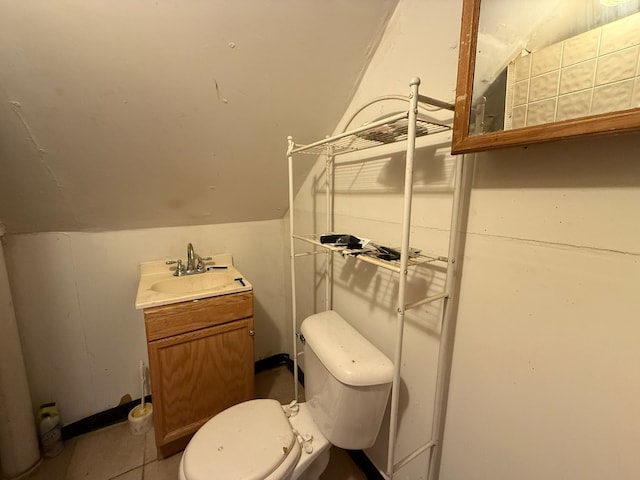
(347,381)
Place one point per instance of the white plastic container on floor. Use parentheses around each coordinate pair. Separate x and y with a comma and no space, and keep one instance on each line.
(140,419)
(50,430)
(141,415)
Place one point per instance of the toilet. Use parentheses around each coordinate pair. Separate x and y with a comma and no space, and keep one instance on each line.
(347,385)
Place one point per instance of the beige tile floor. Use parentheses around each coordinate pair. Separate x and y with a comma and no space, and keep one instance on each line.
(113,453)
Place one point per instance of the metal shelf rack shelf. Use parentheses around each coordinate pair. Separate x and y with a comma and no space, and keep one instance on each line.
(368,255)
(403,127)
(388,130)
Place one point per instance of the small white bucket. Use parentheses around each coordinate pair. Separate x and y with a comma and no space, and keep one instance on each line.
(140,419)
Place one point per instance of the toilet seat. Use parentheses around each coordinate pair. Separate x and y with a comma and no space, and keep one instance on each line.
(249,441)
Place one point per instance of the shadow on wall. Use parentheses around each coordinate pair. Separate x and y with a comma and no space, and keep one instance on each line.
(379,450)
(266,328)
(597,162)
(379,288)
(434,168)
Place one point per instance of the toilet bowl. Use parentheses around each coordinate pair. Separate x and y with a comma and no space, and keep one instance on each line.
(348,381)
(257,440)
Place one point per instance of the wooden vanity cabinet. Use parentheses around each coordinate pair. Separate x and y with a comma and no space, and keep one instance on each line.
(200,363)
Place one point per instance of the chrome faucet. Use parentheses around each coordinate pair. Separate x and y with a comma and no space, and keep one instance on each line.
(191,259)
(195,263)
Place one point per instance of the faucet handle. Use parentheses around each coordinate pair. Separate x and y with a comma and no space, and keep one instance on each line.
(200,265)
(179,267)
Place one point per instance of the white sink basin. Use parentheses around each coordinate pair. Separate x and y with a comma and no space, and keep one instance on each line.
(193,283)
(158,285)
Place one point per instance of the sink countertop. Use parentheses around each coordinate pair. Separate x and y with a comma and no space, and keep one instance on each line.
(157,272)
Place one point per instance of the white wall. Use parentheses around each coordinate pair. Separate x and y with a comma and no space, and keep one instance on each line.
(74,297)
(546,371)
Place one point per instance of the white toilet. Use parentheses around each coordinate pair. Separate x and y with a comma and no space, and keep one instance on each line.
(347,385)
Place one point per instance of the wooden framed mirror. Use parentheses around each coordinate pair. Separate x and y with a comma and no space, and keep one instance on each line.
(532,71)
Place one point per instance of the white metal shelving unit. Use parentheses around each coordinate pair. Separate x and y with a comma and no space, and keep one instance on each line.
(401,127)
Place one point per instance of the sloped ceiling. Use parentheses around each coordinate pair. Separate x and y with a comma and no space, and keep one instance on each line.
(124,115)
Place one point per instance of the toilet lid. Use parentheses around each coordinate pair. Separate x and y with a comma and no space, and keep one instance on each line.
(248,441)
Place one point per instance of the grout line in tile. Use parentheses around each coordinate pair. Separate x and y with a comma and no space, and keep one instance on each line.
(128,471)
(144,450)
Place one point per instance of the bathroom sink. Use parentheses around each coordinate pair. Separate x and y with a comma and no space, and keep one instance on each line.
(194,283)
(158,285)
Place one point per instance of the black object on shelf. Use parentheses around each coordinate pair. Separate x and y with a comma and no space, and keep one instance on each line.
(341,240)
(386,253)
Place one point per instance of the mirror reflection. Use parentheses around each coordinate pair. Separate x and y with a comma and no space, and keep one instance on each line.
(544,61)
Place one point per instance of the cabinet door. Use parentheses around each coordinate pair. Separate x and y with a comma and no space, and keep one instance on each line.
(198,374)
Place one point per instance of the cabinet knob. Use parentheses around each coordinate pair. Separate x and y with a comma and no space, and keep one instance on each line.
(252,333)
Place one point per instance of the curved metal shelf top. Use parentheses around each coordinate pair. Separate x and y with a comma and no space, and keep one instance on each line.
(387,130)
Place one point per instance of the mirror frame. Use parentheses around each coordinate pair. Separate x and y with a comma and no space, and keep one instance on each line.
(462,142)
